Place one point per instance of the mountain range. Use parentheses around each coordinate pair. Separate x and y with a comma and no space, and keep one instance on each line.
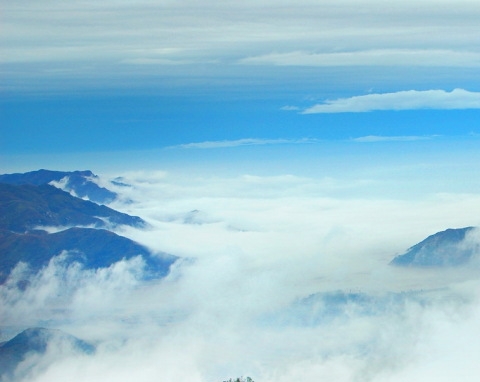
(326,307)
(25,207)
(92,248)
(43,214)
(82,184)
(38,222)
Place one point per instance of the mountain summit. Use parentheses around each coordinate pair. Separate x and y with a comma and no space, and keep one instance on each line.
(82,184)
(452,247)
(36,341)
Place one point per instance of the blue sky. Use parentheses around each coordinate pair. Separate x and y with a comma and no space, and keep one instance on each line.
(115,78)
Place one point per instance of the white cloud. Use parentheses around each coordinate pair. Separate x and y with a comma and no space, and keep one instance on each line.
(266,241)
(67,288)
(290,108)
(241,142)
(376,57)
(402,100)
(383,138)
(150,38)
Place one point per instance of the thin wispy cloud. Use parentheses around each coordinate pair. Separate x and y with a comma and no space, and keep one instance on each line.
(241,142)
(384,138)
(290,108)
(402,100)
(373,57)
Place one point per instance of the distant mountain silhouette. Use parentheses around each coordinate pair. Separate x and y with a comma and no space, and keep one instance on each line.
(446,248)
(93,248)
(326,307)
(35,341)
(24,207)
(79,183)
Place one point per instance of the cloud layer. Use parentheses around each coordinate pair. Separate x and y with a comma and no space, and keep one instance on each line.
(119,40)
(253,248)
(402,100)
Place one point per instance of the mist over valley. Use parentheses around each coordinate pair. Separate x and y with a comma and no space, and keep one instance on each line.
(201,281)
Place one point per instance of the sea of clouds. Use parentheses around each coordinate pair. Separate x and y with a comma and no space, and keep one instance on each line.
(255,251)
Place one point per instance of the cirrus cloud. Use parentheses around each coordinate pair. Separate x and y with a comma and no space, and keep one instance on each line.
(377,57)
(402,100)
(382,138)
(241,142)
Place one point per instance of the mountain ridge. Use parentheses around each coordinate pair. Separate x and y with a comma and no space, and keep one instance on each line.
(84,230)
(79,183)
(93,248)
(25,207)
